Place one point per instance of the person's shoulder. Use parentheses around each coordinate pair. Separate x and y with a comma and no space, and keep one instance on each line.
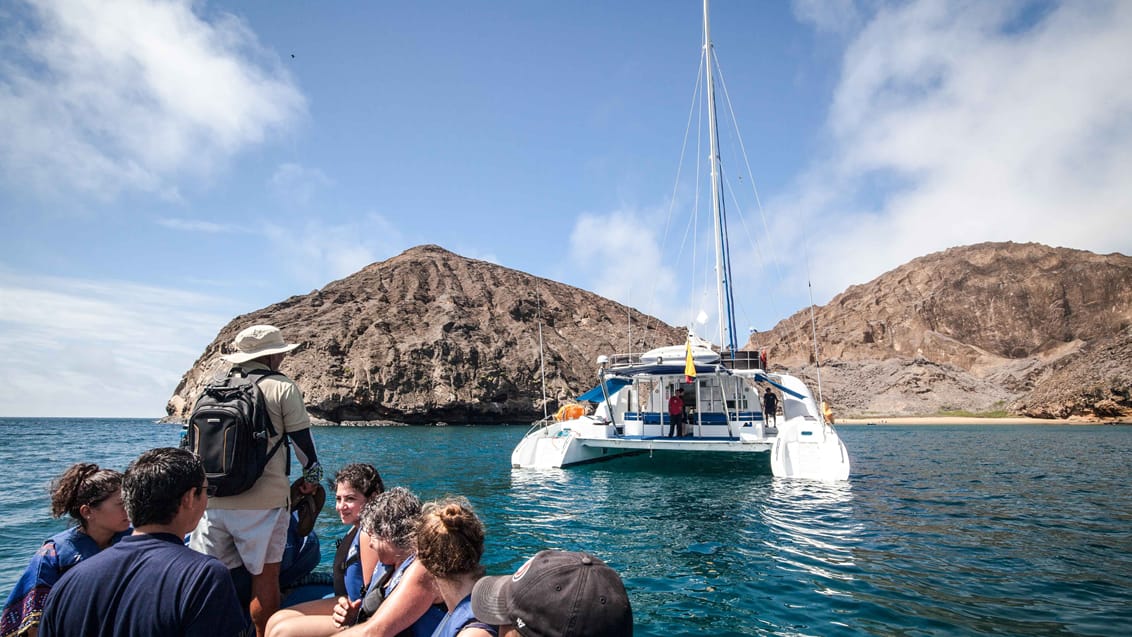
(270,376)
(279,384)
(418,573)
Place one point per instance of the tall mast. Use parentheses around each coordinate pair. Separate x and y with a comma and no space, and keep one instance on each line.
(722,258)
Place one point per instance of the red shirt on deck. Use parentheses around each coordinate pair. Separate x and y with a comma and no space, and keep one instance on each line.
(675,405)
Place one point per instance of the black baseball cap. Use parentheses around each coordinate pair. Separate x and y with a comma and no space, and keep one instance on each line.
(556,594)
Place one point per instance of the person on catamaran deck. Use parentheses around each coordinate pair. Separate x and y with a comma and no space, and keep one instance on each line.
(93,498)
(405,601)
(450,545)
(354,564)
(676,413)
(770,408)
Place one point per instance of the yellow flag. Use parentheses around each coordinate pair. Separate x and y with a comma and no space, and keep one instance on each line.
(689,365)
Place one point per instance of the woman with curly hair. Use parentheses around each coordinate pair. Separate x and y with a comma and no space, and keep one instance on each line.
(405,601)
(354,562)
(91,496)
(450,545)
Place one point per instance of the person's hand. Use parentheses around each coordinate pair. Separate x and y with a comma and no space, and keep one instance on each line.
(345,612)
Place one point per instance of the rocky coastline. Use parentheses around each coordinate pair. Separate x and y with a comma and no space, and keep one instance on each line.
(428,336)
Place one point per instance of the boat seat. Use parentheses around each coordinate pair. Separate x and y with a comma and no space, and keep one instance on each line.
(647,417)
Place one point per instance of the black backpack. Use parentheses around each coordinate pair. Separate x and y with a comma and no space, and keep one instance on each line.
(229,430)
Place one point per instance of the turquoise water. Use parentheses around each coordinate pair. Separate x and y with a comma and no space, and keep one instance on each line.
(1001,530)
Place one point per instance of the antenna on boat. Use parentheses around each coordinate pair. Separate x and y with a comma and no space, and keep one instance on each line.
(541,353)
(814,329)
(629,326)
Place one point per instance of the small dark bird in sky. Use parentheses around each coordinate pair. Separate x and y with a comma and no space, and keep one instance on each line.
(292,56)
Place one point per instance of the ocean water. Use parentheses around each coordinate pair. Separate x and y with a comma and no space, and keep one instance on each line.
(941,530)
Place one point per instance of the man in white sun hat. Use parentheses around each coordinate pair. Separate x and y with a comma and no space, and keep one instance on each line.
(250,528)
(556,594)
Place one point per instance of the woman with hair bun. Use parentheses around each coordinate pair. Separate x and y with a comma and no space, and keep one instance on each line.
(91,496)
(450,545)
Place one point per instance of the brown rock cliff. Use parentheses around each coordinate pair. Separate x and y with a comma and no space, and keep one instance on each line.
(1023,328)
(430,336)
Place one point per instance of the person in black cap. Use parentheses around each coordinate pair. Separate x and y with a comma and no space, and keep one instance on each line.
(556,594)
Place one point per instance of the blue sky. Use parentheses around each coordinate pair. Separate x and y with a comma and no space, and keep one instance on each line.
(167,166)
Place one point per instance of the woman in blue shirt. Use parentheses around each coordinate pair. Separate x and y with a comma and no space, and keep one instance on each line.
(91,496)
(354,562)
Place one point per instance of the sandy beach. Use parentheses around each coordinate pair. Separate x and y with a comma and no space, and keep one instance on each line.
(968,420)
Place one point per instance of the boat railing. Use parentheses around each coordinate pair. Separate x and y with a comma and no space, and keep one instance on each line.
(541,424)
(623,360)
(743,359)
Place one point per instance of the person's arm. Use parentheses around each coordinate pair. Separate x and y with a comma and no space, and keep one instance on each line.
(296,425)
(29,596)
(304,449)
(408,603)
(368,557)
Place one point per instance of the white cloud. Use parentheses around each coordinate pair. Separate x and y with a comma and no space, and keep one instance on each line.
(952,123)
(317,252)
(830,16)
(956,123)
(73,347)
(98,97)
(296,184)
(621,257)
(197,225)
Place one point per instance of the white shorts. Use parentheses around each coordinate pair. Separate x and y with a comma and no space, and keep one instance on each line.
(242,537)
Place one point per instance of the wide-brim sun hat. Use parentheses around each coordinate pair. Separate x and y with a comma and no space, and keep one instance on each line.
(257,341)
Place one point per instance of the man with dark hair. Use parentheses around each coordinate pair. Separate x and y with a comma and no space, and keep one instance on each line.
(770,408)
(150,584)
(676,413)
(249,529)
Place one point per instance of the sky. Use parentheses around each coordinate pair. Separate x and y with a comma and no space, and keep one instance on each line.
(168,166)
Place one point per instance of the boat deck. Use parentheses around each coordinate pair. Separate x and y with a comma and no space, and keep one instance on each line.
(661,443)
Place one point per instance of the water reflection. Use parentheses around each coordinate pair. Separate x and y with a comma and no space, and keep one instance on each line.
(811,528)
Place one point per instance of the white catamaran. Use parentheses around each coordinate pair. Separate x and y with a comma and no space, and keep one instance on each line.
(721,390)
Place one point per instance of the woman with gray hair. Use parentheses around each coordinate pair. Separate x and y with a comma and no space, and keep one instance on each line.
(405,601)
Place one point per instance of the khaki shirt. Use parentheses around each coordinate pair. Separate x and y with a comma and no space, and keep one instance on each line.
(285,407)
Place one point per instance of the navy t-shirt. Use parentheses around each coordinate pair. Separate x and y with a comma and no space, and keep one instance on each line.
(145,586)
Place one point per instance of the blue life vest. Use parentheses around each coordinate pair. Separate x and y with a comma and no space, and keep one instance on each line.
(460,618)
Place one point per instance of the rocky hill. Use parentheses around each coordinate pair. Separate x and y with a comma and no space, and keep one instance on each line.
(430,336)
(1020,328)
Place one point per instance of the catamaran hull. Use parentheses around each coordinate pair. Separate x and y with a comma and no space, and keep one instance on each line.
(559,445)
(811,451)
